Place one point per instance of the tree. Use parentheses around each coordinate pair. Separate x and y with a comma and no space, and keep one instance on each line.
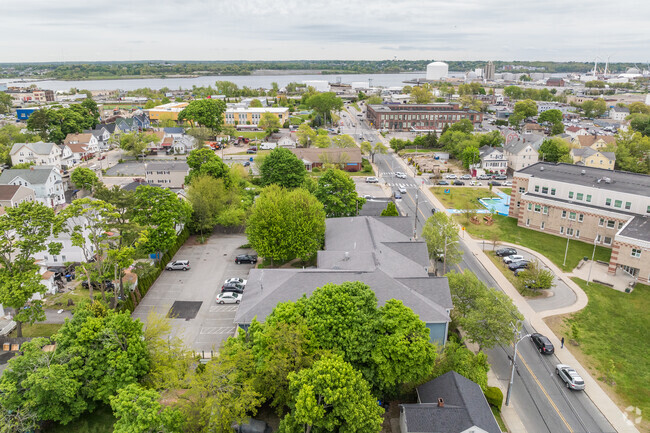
(554,150)
(39,121)
(535,278)
(325,103)
(84,178)
(204,161)
(255,103)
(640,123)
(6,103)
(441,235)
(632,152)
(463,125)
(205,112)
(557,129)
(135,143)
(337,192)
(470,156)
(322,141)
(24,231)
(492,139)
(391,210)
(525,108)
(370,149)
(269,122)
(343,141)
(513,92)
(594,108)
(634,107)
(138,410)
(331,396)
(375,100)
(550,116)
(286,224)
(306,135)
(463,361)
(208,197)
(227,88)
(421,94)
(283,168)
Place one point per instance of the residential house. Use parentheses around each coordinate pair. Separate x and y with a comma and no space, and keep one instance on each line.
(67,157)
(349,158)
(184,144)
(533,128)
(377,251)
(45,181)
(168,174)
(520,153)
(174,132)
(619,113)
(39,153)
(595,205)
(82,146)
(102,135)
(110,127)
(575,131)
(493,159)
(450,403)
(13,195)
(288,141)
(125,126)
(156,144)
(141,121)
(593,158)
(594,141)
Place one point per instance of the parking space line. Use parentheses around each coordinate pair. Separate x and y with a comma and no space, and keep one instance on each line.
(217,308)
(218,330)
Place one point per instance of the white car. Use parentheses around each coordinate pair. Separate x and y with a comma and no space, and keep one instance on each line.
(228,298)
(450,176)
(570,377)
(239,281)
(507,183)
(402,190)
(512,258)
(466,176)
(475,183)
(400,175)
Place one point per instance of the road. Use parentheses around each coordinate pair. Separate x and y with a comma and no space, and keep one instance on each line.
(539,397)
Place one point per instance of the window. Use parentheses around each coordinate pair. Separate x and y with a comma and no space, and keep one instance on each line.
(608,240)
(542,225)
(577,233)
(636,252)
(527,222)
(579,196)
(628,205)
(552,191)
(54,258)
(581,217)
(63,258)
(601,222)
(647,210)
(536,188)
(523,190)
(620,225)
(538,208)
(598,238)
(588,198)
(569,231)
(618,203)
(545,190)
(561,230)
(572,216)
(518,203)
(570,194)
(611,224)
(608,202)
(545,210)
(563,214)
(530,206)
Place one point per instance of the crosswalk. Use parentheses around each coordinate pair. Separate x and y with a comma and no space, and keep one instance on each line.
(402,185)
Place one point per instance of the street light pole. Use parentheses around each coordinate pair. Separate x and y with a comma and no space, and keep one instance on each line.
(415,223)
(512,370)
(591,265)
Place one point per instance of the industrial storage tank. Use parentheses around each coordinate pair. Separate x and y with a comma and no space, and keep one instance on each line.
(437,70)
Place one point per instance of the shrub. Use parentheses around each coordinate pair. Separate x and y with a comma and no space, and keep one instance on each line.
(494,396)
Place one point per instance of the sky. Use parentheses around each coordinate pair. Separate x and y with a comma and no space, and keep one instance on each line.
(96,30)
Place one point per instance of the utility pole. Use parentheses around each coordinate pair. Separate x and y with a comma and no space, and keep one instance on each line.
(415,222)
(512,370)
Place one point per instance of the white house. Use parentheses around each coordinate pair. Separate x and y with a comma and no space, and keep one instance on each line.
(102,135)
(493,159)
(618,113)
(520,153)
(46,181)
(39,153)
(287,141)
(184,144)
(87,141)
(67,157)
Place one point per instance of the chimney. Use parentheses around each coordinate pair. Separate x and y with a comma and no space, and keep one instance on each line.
(441,402)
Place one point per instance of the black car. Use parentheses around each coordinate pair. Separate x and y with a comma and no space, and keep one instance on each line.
(459,183)
(494,183)
(96,285)
(542,343)
(518,265)
(246,258)
(504,252)
(442,182)
(232,287)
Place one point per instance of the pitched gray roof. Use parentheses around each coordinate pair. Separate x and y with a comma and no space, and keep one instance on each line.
(168,165)
(174,130)
(34,175)
(465,406)
(516,146)
(39,148)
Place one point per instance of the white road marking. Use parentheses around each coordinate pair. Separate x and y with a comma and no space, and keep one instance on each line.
(218,330)
(217,308)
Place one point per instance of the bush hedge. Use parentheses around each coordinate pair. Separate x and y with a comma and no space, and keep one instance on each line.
(494,396)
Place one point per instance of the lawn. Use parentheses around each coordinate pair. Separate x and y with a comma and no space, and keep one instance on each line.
(498,261)
(100,421)
(613,341)
(553,247)
(60,300)
(38,330)
(254,135)
(497,416)
(460,196)
(506,190)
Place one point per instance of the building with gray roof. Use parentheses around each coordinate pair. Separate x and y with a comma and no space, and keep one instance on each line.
(46,181)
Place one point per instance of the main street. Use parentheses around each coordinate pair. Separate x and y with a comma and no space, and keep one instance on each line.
(543,404)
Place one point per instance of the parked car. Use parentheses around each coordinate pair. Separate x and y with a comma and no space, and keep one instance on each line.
(519,271)
(247,164)
(108,284)
(512,258)
(228,298)
(484,177)
(400,175)
(542,343)
(252,150)
(521,264)
(475,183)
(442,182)
(372,179)
(450,176)
(101,157)
(504,252)
(232,287)
(246,258)
(500,177)
(178,265)
(570,377)
(459,183)
(466,176)
(494,183)
(507,183)
(237,280)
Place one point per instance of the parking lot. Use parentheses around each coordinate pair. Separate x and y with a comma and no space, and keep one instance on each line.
(188,297)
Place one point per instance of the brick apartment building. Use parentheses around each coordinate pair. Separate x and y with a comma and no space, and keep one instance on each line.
(610,208)
(420,118)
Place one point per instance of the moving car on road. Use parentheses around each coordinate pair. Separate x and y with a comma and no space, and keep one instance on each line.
(178,265)
(402,190)
(246,258)
(504,252)
(400,175)
(570,377)
(228,298)
(542,343)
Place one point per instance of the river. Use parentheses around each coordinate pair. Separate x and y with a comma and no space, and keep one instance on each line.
(252,81)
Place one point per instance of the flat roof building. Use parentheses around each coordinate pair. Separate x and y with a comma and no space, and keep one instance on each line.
(419,117)
(252,116)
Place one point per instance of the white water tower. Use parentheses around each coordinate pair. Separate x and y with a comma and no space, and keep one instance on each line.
(437,71)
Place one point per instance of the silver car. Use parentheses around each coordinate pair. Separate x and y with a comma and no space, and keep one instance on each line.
(228,298)
(570,377)
(178,265)
(400,175)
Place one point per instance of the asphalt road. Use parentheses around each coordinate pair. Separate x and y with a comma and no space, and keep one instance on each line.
(538,395)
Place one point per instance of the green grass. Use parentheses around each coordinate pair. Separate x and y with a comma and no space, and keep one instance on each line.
(38,330)
(510,276)
(460,196)
(553,247)
(506,190)
(356,106)
(497,416)
(614,340)
(60,300)
(255,135)
(100,421)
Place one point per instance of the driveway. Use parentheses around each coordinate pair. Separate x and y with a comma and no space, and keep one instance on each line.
(197,319)
(128,168)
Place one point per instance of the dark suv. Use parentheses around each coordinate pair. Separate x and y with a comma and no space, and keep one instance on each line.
(232,287)
(504,252)
(246,258)
(542,343)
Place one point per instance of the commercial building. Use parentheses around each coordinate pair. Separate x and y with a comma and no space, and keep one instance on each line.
(419,117)
(348,158)
(488,71)
(166,111)
(252,116)
(594,205)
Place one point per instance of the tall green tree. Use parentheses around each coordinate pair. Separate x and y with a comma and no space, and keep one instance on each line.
(6,103)
(135,143)
(269,122)
(208,197)
(204,161)
(555,150)
(306,135)
(39,122)
(391,210)
(441,235)
(337,192)
(594,108)
(205,112)
(535,277)
(470,156)
(84,178)
(138,410)
(421,94)
(325,103)
(281,167)
(551,116)
(24,231)
(331,396)
(370,149)
(458,358)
